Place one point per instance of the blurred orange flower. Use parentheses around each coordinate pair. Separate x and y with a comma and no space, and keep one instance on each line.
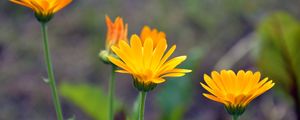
(116,32)
(235,91)
(43,8)
(154,34)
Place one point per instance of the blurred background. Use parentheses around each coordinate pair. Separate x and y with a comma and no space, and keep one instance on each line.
(253,35)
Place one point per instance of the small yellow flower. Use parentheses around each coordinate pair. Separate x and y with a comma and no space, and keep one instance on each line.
(154,34)
(235,91)
(147,63)
(116,32)
(44,9)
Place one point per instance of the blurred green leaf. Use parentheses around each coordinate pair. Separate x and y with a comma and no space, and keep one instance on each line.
(174,96)
(279,55)
(91,99)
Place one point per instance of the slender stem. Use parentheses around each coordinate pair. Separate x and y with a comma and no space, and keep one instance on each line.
(235,117)
(51,79)
(142,105)
(111,92)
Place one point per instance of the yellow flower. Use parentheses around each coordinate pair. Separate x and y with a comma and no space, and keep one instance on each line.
(44,9)
(147,63)
(154,34)
(235,91)
(116,32)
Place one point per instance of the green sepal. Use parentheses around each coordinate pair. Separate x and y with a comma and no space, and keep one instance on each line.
(235,110)
(103,55)
(43,18)
(142,86)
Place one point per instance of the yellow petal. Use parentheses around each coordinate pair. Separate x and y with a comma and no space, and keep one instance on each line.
(265,88)
(226,81)
(213,98)
(148,49)
(158,80)
(171,64)
(26,4)
(218,80)
(173,75)
(145,33)
(122,71)
(167,55)
(179,71)
(124,57)
(61,5)
(158,53)
(136,46)
(216,93)
(119,63)
(210,83)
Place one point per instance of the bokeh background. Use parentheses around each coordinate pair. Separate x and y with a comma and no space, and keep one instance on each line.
(253,35)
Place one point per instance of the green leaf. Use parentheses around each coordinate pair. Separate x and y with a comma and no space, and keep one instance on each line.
(279,55)
(91,99)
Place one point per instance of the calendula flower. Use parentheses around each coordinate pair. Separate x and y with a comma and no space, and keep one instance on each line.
(44,9)
(147,63)
(116,31)
(235,91)
(153,33)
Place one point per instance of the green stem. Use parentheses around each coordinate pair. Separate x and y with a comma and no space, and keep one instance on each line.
(142,105)
(235,117)
(51,79)
(111,92)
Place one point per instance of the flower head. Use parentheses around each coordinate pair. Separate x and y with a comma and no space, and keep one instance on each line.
(44,9)
(116,32)
(154,34)
(148,64)
(235,91)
